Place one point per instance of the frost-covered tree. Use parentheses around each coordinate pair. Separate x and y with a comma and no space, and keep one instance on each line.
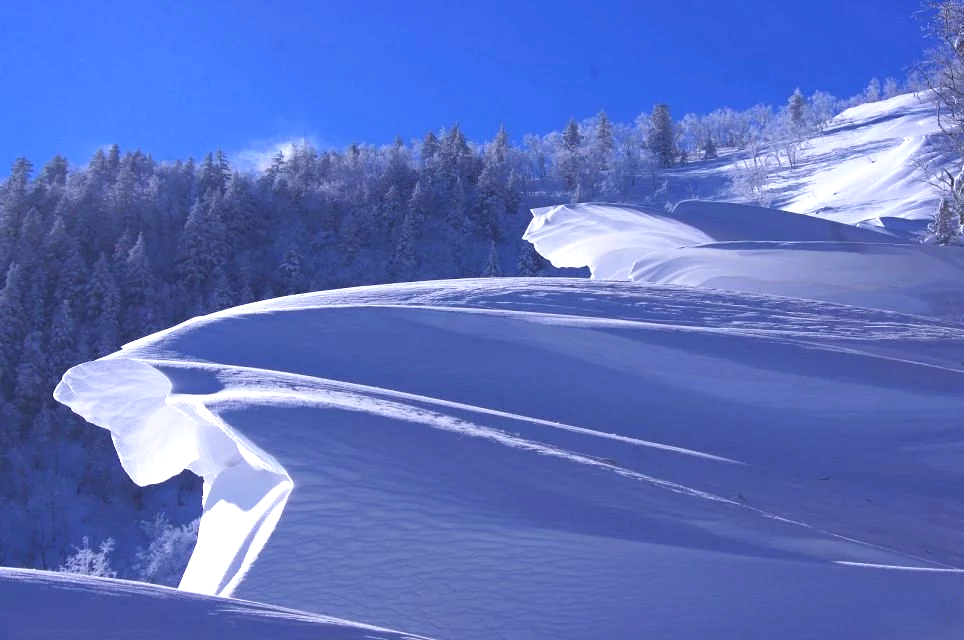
(751,179)
(795,108)
(404,262)
(872,92)
(944,70)
(709,150)
(14,323)
(568,156)
(945,228)
(168,552)
(530,262)
(138,292)
(821,107)
(103,309)
(290,271)
(661,138)
(890,88)
(62,345)
(493,269)
(90,562)
(32,373)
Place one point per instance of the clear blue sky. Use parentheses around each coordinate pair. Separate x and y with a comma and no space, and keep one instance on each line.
(180,78)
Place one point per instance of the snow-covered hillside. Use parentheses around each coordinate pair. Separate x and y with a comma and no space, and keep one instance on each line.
(54,606)
(863,168)
(512,458)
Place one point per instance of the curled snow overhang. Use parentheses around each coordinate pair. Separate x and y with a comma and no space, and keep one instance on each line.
(157,434)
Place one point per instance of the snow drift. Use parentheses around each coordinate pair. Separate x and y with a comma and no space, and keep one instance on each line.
(513,458)
(752,249)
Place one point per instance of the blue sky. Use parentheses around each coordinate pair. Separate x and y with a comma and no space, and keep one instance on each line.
(180,78)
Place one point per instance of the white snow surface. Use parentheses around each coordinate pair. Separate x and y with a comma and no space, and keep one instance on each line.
(862,169)
(752,249)
(556,458)
(40,605)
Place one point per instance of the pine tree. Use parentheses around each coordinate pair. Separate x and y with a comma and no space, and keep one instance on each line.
(32,377)
(290,271)
(492,267)
(661,139)
(568,160)
(103,309)
(500,146)
(390,211)
(405,261)
(709,149)
(795,108)
(138,294)
(603,141)
(202,250)
(61,347)
(490,201)
(530,263)
(72,278)
(221,296)
(215,173)
(13,324)
(429,149)
(946,226)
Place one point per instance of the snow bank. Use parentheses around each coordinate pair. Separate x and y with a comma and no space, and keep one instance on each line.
(558,458)
(39,604)
(752,249)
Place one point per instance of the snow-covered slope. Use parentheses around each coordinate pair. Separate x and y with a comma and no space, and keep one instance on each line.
(59,606)
(862,169)
(513,458)
(752,249)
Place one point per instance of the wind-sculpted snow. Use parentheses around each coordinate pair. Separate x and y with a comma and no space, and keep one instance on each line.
(551,458)
(752,249)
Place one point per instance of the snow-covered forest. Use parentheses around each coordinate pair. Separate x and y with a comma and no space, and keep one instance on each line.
(98,254)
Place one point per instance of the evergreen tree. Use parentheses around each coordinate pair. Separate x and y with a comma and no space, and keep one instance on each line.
(946,226)
(603,141)
(430,149)
(32,375)
(404,262)
(500,146)
(72,278)
(661,139)
(13,323)
(492,267)
(795,108)
(709,149)
(202,250)
(138,293)
(567,160)
(103,309)
(61,350)
(290,271)
(530,262)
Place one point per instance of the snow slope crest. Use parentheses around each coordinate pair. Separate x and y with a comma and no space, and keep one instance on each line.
(505,458)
